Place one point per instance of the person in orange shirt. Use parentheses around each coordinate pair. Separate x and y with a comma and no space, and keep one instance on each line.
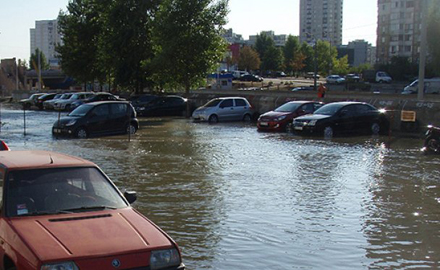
(321,90)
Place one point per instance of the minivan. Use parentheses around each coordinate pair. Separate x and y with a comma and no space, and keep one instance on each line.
(224,109)
(98,118)
(432,86)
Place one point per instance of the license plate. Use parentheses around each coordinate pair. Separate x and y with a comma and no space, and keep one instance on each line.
(264,124)
(298,128)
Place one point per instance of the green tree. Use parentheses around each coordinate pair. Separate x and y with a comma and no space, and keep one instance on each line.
(340,66)
(188,42)
(309,63)
(33,62)
(81,30)
(271,56)
(249,59)
(290,51)
(326,57)
(432,37)
(298,62)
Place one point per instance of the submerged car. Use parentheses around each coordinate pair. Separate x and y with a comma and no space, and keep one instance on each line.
(164,106)
(281,117)
(63,212)
(224,109)
(342,118)
(98,118)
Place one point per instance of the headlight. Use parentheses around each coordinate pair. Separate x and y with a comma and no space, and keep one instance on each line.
(71,123)
(312,122)
(160,259)
(60,266)
(281,118)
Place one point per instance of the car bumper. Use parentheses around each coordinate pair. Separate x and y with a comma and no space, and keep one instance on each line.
(62,131)
(270,126)
(305,130)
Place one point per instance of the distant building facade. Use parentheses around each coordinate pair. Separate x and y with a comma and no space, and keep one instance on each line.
(45,37)
(321,20)
(232,38)
(398,29)
(359,52)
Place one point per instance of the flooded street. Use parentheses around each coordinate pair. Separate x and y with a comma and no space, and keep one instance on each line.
(235,198)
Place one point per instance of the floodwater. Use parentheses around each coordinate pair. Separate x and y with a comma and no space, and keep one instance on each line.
(235,198)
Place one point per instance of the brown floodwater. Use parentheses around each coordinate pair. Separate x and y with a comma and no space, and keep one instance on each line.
(235,198)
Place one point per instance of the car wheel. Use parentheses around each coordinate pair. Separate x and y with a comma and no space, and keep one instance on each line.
(131,129)
(213,119)
(81,133)
(432,144)
(247,118)
(375,128)
(328,132)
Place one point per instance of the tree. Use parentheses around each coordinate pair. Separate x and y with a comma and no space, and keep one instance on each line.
(308,52)
(271,56)
(188,42)
(340,66)
(249,59)
(81,30)
(33,62)
(326,56)
(290,51)
(432,38)
(298,62)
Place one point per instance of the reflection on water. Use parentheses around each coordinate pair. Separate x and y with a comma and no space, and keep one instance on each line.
(234,198)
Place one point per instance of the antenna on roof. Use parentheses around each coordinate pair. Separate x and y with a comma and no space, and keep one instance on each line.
(51,160)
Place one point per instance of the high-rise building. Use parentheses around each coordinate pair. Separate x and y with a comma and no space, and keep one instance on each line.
(45,37)
(321,20)
(398,29)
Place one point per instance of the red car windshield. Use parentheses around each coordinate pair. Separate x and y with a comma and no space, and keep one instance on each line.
(61,190)
(288,107)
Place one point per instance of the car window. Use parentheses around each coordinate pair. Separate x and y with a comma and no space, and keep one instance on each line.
(118,109)
(364,109)
(349,110)
(101,110)
(174,101)
(317,106)
(308,108)
(240,103)
(226,103)
(212,103)
(45,191)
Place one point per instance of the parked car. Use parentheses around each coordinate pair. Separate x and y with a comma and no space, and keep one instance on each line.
(334,79)
(238,73)
(164,106)
(100,96)
(98,118)
(66,104)
(224,109)
(303,88)
(27,103)
(63,212)
(49,104)
(142,100)
(280,118)
(341,118)
(251,78)
(431,86)
(352,78)
(3,146)
(41,99)
(311,75)
(383,77)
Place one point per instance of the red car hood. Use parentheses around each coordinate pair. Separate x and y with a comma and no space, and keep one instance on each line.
(273,114)
(89,234)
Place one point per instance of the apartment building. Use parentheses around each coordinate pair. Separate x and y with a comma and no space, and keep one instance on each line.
(45,37)
(321,20)
(399,29)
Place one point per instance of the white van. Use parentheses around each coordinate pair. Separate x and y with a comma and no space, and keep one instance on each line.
(432,86)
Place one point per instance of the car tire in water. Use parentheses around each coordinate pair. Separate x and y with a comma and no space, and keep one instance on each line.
(213,119)
(81,133)
(375,128)
(247,118)
(131,129)
(432,144)
(328,132)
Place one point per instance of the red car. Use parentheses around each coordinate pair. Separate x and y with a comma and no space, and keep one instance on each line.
(63,212)
(278,119)
(3,146)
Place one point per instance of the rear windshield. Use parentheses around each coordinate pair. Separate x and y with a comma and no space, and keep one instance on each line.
(60,190)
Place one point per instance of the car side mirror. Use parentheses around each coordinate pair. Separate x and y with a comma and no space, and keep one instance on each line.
(131,196)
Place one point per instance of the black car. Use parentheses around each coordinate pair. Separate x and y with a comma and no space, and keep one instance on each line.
(164,106)
(142,100)
(98,118)
(342,118)
(43,98)
(251,78)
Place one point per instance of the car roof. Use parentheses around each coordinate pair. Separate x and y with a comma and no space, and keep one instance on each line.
(302,101)
(37,159)
(107,102)
(345,103)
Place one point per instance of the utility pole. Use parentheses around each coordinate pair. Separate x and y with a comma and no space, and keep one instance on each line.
(16,74)
(423,45)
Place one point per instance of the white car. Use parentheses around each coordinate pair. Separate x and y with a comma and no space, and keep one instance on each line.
(224,109)
(334,79)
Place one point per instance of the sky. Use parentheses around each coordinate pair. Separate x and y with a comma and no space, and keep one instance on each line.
(246,17)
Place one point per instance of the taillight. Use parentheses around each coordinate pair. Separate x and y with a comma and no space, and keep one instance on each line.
(4,146)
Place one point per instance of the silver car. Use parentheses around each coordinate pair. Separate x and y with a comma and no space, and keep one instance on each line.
(224,109)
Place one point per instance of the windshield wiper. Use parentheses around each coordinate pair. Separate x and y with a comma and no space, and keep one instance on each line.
(90,208)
